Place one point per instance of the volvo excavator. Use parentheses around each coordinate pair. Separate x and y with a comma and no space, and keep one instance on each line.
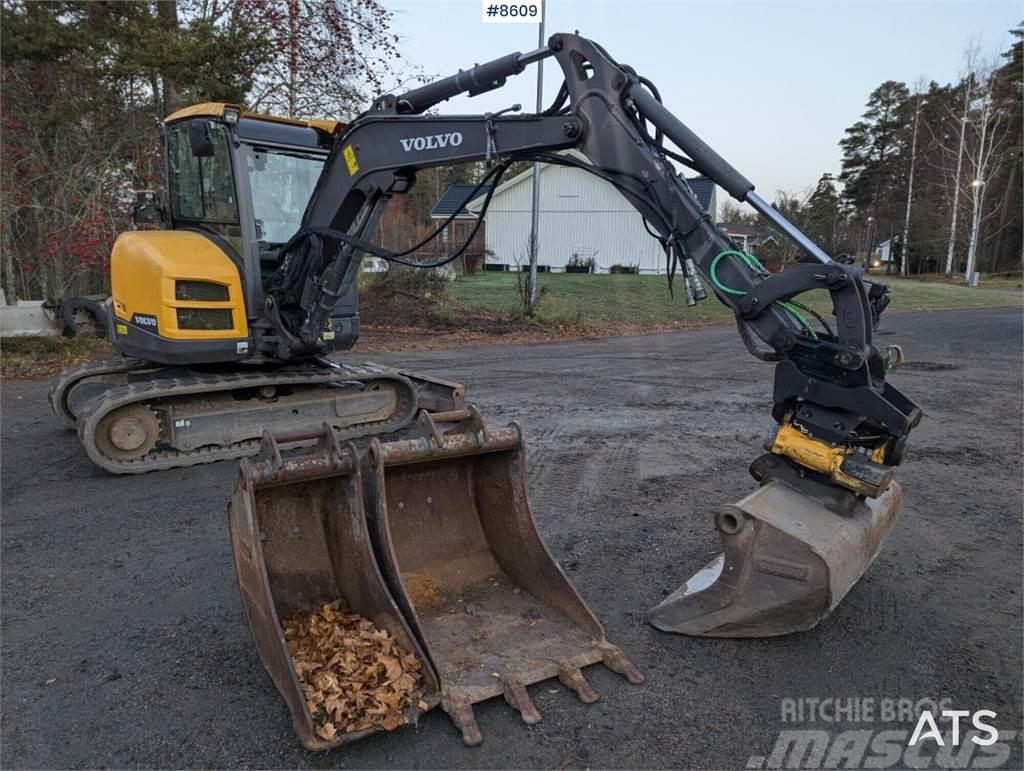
(386,489)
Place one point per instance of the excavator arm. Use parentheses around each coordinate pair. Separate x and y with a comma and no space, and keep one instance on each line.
(837,414)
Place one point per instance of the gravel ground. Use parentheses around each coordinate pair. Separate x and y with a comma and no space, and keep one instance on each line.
(124,644)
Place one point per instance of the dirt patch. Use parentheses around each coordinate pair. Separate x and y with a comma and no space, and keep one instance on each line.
(398,320)
(421,590)
(32,357)
(393,320)
(386,308)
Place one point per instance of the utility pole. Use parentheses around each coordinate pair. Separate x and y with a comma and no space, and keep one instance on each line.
(535,210)
(910,190)
(867,246)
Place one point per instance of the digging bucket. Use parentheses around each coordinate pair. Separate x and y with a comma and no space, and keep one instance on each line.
(792,549)
(300,540)
(460,551)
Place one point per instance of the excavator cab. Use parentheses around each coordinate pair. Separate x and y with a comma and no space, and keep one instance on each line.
(237,187)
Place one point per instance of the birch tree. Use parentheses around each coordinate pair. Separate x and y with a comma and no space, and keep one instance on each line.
(984,157)
(970,57)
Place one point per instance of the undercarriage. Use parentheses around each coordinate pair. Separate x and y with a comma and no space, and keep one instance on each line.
(133,417)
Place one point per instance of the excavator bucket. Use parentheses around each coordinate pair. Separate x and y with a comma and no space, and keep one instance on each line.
(461,553)
(793,548)
(300,540)
(432,538)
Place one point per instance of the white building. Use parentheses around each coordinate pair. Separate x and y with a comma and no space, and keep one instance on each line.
(581,215)
(882,254)
(748,238)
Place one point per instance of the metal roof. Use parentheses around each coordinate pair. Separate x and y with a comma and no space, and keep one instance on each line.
(741,229)
(455,199)
(704,189)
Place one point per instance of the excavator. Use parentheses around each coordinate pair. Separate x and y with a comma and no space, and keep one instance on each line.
(386,489)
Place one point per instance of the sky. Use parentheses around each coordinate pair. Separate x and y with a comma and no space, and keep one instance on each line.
(770,85)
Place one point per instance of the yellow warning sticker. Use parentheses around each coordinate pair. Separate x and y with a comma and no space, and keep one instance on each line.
(122,329)
(350,160)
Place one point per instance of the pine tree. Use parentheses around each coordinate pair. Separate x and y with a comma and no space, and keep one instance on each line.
(872,166)
(821,214)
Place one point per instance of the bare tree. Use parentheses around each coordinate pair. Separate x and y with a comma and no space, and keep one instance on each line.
(957,177)
(970,59)
(986,158)
(328,57)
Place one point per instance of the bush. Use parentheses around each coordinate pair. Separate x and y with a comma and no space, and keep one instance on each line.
(578,261)
(617,268)
(428,283)
(472,263)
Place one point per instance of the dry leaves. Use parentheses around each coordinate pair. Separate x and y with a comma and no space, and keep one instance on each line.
(354,675)
(421,590)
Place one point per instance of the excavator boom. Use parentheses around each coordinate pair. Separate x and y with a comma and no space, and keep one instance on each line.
(830,385)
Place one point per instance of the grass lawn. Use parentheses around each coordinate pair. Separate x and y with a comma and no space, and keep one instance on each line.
(604,302)
(572,305)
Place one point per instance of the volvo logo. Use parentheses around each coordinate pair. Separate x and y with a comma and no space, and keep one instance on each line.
(434,142)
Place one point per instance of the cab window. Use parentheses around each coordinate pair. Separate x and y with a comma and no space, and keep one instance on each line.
(202,188)
(281,185)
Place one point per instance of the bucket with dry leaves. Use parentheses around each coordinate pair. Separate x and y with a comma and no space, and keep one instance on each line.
(326,626)
(354,676)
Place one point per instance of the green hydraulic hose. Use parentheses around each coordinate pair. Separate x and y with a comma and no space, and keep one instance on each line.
(753,262)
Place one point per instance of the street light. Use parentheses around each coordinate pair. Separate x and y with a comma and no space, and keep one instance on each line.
(977,183)
(867,246)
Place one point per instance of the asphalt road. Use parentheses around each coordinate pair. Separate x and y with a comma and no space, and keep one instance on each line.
(124,644)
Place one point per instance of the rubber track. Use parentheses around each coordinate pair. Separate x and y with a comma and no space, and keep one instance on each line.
(160,388)
(71,377)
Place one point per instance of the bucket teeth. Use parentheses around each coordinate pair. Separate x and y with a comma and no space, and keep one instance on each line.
(616,661)
(460,710)
(572,678)
(517,698)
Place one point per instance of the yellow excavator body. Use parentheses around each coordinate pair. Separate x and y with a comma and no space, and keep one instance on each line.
(217,110)
(178,283)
